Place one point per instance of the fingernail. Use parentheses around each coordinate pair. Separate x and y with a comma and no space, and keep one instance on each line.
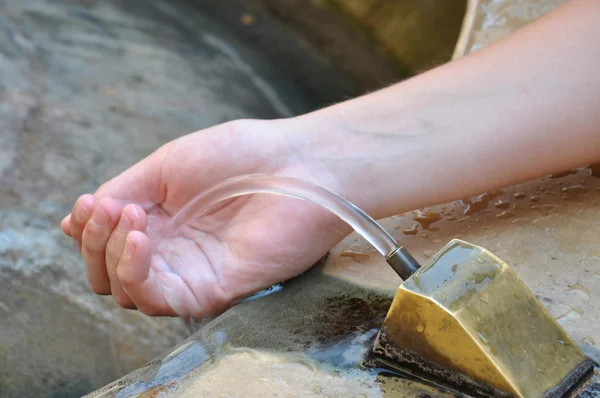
(125,224)
(99,218)
(81,213)
(129,249)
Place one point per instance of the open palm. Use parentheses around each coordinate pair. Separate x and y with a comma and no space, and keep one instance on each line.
(241,246)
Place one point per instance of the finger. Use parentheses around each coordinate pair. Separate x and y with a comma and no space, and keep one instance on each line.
(141,183)
(132,218)
(80,216)
(94,238)
(65,225)
(138,279)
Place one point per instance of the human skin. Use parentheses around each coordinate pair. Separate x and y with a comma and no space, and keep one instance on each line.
(522,108)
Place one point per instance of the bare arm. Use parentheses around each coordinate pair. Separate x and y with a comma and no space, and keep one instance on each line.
(522,108)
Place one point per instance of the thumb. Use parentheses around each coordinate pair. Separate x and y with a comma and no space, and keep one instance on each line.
(142,183)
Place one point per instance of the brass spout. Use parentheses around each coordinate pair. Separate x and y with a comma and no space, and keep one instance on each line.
(467,321)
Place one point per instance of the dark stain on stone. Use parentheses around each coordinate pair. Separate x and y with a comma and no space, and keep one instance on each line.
(345,314)
(387,354)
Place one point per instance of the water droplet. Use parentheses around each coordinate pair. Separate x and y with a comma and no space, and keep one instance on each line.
(534,198)
(429,253)
(575,189)
(480,203)
(480,260)
(562,174)
(420,328)
(482,338)
(356,256)
(505,214)
(589,340)
(561,342)
(426,218)
(519,195)
(502,204)
(412,230)
(578,311)
(541,219)
(580,287)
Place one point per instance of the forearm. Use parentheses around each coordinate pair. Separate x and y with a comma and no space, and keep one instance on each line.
(520,109)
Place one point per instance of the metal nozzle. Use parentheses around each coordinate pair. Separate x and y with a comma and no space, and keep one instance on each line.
(467,321)
(403,263)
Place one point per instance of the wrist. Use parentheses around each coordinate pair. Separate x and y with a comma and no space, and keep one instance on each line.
(364,159)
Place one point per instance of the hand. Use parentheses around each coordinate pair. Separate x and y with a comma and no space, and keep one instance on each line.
(244,245)
(455,131)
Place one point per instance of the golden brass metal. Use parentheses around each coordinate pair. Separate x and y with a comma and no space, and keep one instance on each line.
(467,318)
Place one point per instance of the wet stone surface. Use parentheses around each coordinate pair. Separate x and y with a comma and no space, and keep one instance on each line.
(548,235)
(88,88)
(310,337)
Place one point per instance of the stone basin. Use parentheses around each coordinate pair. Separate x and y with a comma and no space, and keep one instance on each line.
(82,96)
(87,88)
